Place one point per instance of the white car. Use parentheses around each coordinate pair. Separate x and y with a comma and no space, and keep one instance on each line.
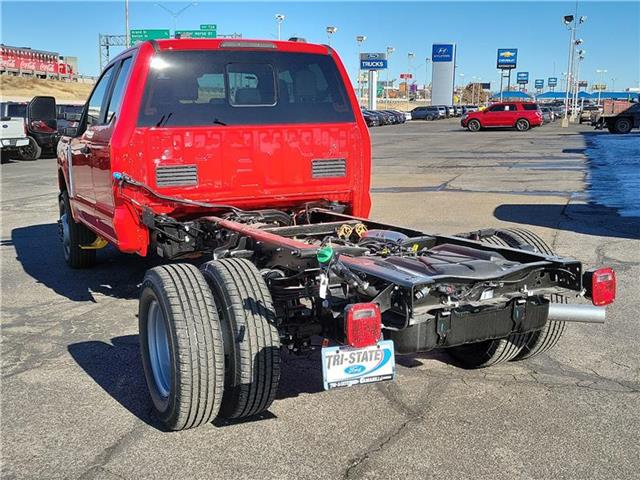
(407,115)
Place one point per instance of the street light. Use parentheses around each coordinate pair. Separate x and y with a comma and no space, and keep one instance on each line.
(426,75)
(279,19)
(175,14)
(390,50)
(580,54)
(410,56)
(330,32)
(572,26)
(360,40)
(601,72)
(613,84)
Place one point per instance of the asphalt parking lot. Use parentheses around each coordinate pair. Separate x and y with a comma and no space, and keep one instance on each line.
(74,402)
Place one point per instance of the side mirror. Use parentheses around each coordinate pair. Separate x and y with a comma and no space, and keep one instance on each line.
(70,131)
(41,114)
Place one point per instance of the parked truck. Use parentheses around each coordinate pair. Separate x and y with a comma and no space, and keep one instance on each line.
(617,116)
(246,165)
(26,125)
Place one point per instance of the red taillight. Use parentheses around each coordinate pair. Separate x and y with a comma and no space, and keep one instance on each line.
(603,286)
(362,324)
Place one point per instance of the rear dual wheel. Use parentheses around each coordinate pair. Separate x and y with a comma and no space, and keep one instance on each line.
(208,341)
(517,346)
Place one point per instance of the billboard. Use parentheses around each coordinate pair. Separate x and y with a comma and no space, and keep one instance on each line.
(552,81)
(443,62)
(539,83)
(507,58)
(373,61)
(442,52)
(522,78)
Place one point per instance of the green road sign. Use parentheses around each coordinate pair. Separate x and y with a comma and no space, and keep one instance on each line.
(144,35)
(209,26)
(196,33)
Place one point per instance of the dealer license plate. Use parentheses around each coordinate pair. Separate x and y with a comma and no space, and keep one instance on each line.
(347,366)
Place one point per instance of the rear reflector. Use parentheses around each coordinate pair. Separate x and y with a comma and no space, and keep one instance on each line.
(603,286)
(362,324)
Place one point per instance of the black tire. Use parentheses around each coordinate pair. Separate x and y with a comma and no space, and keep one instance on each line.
(429,117)
(522,125)
(31,151)
(488,353)
(622,125)
(190,386)
(73,235)
(539,341)
(251,340)
(474,125)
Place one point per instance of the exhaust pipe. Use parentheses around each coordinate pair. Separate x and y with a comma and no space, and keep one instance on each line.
(566,312)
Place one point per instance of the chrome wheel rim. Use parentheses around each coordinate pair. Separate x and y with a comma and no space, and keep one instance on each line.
(158,344)
(474,126)
(522,125)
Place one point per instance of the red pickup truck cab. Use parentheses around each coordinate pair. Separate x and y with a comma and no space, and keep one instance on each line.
(519,115)
(251,159)
(256,124)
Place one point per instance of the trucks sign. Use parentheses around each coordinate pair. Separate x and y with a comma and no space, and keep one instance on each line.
(442,52)
(539,83)
(142,35)
(373,61)
(507,58)
(522,78)
(552,81)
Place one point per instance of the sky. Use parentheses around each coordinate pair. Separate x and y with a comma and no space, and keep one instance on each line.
(610,34)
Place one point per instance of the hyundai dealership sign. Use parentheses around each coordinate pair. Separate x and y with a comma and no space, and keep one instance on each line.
(442,52)
(443,57)
(507,58)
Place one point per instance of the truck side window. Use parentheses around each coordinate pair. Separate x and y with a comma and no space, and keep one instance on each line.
(497,108)
(118,90)
(96,102)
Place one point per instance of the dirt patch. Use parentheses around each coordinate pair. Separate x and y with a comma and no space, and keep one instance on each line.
(23,89)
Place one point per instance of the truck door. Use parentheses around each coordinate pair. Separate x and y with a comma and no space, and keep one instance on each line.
(81,150)
(101,151)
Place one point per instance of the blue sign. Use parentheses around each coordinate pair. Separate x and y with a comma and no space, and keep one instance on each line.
(442,52)
(507,58)
(373,64)
(523,77)
(539,83)
(552,81)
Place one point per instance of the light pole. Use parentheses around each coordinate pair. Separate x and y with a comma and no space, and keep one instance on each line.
(570,22)
(279,19)
(426,75)
(175,14)
(360,40)
(330,31)
(576,92)
(461,75)
(126,23)
(410,56)
(390,50)
(601,72)
(613,84)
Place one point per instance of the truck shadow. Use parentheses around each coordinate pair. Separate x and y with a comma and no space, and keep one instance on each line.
(40,254)
(117,368)
(612,206)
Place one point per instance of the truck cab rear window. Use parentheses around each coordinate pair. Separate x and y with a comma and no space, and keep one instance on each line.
(197,88)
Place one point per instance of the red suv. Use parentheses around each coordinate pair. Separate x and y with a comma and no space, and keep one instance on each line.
(521,115)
